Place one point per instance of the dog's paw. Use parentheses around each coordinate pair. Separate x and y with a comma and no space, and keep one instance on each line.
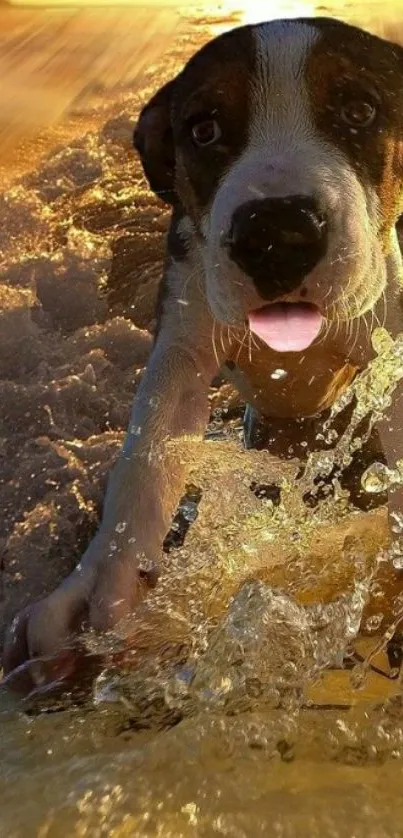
(44,639)
(44,632)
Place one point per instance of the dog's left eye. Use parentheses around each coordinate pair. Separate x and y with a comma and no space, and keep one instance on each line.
(206,132)
(359,113)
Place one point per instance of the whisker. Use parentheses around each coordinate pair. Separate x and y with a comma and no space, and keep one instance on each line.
(356,323)
(366,324)
(222,338)
(241,345)
(213,341)
(385,307)
(255,341)
(250,346)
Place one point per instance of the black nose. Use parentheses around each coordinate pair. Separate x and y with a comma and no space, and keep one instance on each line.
(277,242)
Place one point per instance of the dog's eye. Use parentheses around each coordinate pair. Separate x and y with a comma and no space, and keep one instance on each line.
(206,132)
(358,113)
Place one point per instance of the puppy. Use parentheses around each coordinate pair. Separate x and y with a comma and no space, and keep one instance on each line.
(280,149)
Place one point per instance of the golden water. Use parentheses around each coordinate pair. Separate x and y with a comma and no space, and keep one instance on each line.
(231,711)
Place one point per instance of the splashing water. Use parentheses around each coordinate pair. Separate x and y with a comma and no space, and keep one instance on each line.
(372,392)
(262,597)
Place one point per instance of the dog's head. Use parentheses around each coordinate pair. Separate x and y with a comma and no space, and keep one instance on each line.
(283,144)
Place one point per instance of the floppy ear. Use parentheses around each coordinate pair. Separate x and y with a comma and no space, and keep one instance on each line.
(153,140)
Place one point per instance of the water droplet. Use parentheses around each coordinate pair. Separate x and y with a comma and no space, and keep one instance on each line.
(381,341)
(278,374)
(397,561)
(358,675)
(397,518)
(145,565)
(121,526)
(373,623)
(376,478)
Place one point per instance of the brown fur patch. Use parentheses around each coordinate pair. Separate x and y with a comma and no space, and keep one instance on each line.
(215,82)
(349,64)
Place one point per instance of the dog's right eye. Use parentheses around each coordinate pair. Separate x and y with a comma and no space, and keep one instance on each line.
(206,132)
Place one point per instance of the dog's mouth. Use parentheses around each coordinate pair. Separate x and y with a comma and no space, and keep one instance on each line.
(286,327)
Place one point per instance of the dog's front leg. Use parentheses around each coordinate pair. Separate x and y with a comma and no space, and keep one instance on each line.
(143,491)
(148,478)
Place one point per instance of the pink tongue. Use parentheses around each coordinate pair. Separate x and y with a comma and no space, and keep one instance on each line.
(286,327)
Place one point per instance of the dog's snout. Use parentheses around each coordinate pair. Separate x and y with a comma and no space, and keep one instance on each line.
(277,242)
